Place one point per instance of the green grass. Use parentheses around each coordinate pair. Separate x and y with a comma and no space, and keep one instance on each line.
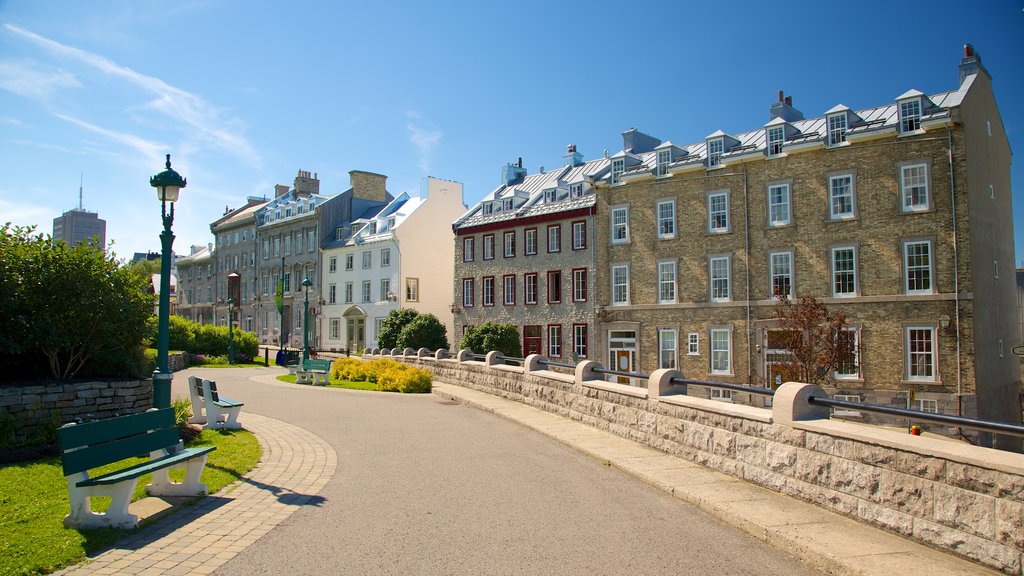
(226,365)
(335,383)
(34,501)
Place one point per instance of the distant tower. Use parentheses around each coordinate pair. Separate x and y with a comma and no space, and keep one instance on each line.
(79,225)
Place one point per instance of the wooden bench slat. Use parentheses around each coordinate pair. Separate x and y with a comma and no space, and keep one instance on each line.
(148,466)
(225,403)
(89,433)
(90,457)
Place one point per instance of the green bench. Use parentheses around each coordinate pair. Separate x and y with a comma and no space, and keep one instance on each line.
(210,408)
(313,372)
(94,444)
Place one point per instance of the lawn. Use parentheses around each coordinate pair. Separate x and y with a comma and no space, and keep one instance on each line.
(34,500)
(290,378)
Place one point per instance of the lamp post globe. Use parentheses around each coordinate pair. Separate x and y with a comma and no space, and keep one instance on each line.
(305,321)
(231,323)
(168,184)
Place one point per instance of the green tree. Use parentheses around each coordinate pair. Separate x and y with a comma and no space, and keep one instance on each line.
(491,336)
(145,268)
(392,326)
(425,331)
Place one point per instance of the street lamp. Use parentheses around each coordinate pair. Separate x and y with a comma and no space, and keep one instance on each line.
(167,184)
(305,321)
(231,338)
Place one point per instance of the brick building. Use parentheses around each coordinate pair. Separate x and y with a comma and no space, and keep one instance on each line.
(898,215)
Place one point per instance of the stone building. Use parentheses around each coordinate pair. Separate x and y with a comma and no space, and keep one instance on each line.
(234,236)
(398,256)
(196,282)
(898,215)
(524,255)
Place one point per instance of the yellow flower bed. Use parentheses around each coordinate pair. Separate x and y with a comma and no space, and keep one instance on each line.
(388,375)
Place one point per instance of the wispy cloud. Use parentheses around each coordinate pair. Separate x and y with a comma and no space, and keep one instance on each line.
(24,78)
(204,119)
(22,213)
(425,137)
(152,151)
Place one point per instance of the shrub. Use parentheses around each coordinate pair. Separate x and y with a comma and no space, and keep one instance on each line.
(392,324)
(425,331)
(182,412)
(405,379)
(491,336)
(207,339)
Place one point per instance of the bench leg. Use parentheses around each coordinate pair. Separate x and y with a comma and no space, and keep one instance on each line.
(231,422)
(190,486)
(116,516)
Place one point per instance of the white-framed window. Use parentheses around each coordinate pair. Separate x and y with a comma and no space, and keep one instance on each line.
(366,291)
(579,235)
(332,265)
(620,224)
(836,129)
(846,411)
(549,195)
(718,273)
(776,138)
(715,149)
(666,348)
(530,287)
(718,212)
(910,115)
(555,238)
(664,159)
(579,285)
(618,167)
(298,242)
(530,239)
(841,197)
(579,340)
(620,284)
(412,289)
(844,271)
(780,270)
(378,321)
(779,213)
(506,204)
(848,344)
(721,350)
(367,259)
(335,324)
(576,190)
(489,247)
(487,298)
(311,238)
(555,340)
(693,344)
(349,258)
(509,292)
(667,282)
(919,343)
(917,265)
(486,208)
(721,394)
(385,287)
(928,405)
(914,187)
(348,292)
(385,257)
(468,288)
(509,241)
(332,294)
(666,210)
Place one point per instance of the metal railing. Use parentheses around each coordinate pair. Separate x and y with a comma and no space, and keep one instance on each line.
(725,385)
(621,373)
(547,362)
(958,421)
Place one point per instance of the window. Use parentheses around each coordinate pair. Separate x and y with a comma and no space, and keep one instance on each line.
(844,271)
(332,294)
(277,247)
(910,115)
(366,291)
(666,210)
(554,286)
(335,328)
(847,411)
(840,192)
(530,239)
(348,261)
(719,274)
(348,292)
(385,257)
(721,357)
(780,266)
(848,349)
(917,262)
(510,244)
(555,341)
(618,167)
(667,282)
(579,340)
(555,238)
(693,344)
(266,249)
(914,187)
(550,195)
(332,264)
(718,212)
(509,291)
(579,285)
(919,342)
(666,348)
(311,239)
(776,137)
(468,286)
(530,287)
(378,322)
(620,284)
(506,204)
(298,242)
(836,129)
(385,287)
(412,289)
(288,245)
(715,149)
(488,291)
(579,235)
(287,281)
(721,394)
(778,205)
(926,405)
(620,225)
(489,247)
(367,259)
(664,158)
(486,208)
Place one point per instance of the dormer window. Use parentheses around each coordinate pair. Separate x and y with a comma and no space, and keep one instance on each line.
(339,232)
(277,214)
(391,223)
(776,137)
(288,211)
(618,167)
(549,195)
(301,208)
(664,159)
(487,208)
(373,228)
(836,129)
(910,115)
(576,190)
(506,204)
(715,149)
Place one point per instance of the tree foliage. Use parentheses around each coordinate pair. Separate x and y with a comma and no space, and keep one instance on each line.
(816,337)
(491,336)
(392,324)
(425,331)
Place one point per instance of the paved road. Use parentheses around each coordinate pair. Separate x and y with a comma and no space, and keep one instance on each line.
(426,486)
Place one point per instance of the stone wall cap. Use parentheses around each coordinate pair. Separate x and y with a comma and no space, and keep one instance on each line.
(726,408)
(506,368)
(551,375)
(615,387)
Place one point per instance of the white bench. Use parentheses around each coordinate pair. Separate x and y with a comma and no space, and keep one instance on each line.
(209,408)
(313,372)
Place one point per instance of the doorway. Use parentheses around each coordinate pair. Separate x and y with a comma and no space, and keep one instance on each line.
(622,353)
(355,329)
(531,340)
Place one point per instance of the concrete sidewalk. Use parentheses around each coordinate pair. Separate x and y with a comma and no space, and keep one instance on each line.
(822,539)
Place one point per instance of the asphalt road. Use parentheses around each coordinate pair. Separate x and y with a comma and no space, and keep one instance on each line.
(426,486)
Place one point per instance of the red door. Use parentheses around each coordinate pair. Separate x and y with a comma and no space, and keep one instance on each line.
(531,340)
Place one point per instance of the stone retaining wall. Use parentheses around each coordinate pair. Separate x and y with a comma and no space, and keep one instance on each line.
(961,498)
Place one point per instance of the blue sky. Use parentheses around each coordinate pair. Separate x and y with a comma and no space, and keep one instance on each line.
(243,93)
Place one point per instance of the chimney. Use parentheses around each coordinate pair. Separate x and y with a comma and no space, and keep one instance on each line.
(280,190)
(784,109)
(513,173)
(572,157)
(306,184)
(637,142)
(368,185)
(971,64)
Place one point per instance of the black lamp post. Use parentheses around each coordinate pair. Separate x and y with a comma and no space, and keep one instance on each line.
(167,184)
(231,338)
(305,321)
